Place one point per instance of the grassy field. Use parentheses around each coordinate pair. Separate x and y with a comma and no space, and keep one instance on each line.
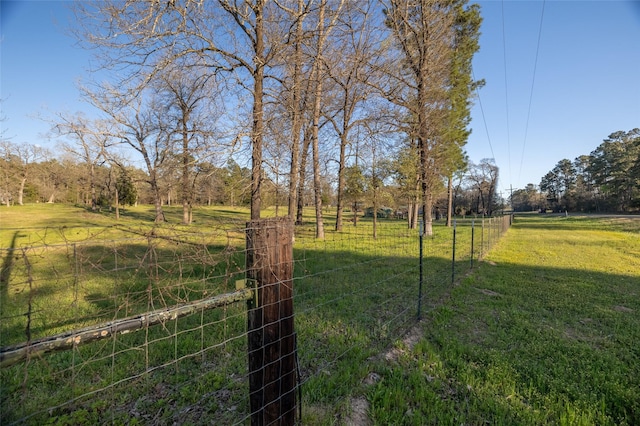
(65,268)
(71,268)
(546,331)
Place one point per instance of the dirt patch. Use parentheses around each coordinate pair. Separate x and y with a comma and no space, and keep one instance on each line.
(487,292)
(359,415)
(409,340)
(621,308)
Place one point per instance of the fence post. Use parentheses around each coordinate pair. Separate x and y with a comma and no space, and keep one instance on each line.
(490,233)
(472,232)
(453,255)
(421,271)
(272,366)
(482,239)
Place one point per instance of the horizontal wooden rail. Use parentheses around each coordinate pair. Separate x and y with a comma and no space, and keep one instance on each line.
(13,354)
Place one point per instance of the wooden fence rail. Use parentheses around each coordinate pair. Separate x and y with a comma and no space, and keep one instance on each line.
(13,354)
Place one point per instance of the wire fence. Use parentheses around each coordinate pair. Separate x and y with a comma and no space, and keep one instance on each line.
(123,326)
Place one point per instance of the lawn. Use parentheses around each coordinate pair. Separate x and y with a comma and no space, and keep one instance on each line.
(545,331)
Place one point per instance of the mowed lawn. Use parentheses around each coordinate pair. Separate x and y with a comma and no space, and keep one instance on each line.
(545,331)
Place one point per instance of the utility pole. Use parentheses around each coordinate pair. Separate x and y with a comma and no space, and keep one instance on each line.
(511,197)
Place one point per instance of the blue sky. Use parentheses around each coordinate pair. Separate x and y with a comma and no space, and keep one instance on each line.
(586,83)
(39,66)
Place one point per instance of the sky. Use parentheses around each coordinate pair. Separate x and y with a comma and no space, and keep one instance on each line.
(560,77)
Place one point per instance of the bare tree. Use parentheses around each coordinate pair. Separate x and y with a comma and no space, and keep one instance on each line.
(139,124)
(90,140)
(189,94)
(304,156)
(10,164)
(483,179)
(19,160)
(322,32)
(142,39)
(352,50)
(295,95)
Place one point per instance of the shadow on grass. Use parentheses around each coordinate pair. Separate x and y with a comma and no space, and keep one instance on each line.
(504,332)
(577,222)
(7,264)
(523,345)
(346,312)
(60,288)
(173,215)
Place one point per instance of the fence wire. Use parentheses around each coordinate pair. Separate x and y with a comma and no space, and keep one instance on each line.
(354,296)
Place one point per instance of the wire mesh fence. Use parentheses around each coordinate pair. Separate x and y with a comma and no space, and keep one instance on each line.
(155,372)
(170,344)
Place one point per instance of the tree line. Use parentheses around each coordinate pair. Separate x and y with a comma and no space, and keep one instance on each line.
(283,102)
(32,174)
(606,180)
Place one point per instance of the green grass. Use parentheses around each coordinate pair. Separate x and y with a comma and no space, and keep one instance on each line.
(355,296)
(545,332)
(65,268)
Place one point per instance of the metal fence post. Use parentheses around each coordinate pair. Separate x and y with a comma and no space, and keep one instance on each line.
(482,240)
(421,273)
(472,232)
(453,254)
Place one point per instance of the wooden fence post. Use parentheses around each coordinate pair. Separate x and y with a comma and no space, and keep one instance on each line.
(272,360)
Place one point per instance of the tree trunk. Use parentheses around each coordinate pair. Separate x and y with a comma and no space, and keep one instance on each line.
(427,217)
(423,149)
(375,214)
(317,190)
(375,191)
(158,207)
(258,113)
(157,198)
(303,173)
(92,186)
(427,193)
(415,205)
(355,213)
(117,201)
(21,191)
(341,165)
(186,192)
(296,119)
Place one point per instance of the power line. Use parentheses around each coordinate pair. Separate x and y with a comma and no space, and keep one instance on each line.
(506,90)
(484,120)
(535,66)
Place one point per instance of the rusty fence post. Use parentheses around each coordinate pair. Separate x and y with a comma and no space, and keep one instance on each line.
(271,337)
